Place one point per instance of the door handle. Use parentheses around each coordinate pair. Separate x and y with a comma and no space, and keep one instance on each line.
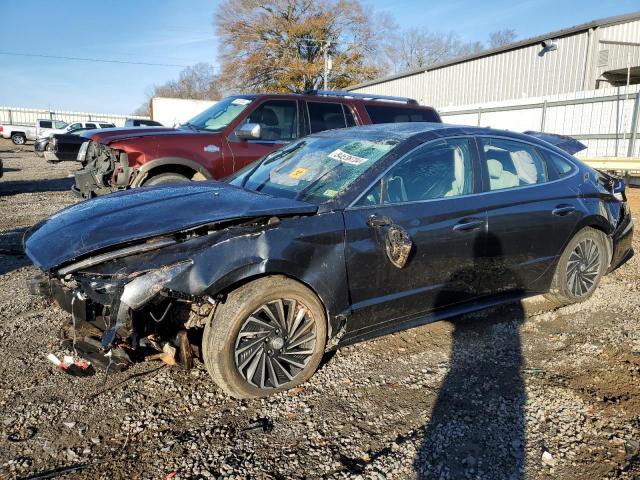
(378,221)
(468,225)
(562,210)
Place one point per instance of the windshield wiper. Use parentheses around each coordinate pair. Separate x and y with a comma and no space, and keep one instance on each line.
(190,126)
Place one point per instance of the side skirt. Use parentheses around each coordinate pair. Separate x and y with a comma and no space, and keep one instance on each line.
(453,311)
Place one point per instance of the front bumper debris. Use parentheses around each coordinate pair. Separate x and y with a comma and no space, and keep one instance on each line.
(112,335)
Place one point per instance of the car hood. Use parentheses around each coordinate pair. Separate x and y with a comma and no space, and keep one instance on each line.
(110,135)
(136,215)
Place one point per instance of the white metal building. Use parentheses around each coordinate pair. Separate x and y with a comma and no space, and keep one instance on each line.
(598,54)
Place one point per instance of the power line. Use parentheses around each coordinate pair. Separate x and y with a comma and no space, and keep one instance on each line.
(102,60)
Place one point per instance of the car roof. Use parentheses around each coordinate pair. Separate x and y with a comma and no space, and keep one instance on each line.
(423,131)
(328,98)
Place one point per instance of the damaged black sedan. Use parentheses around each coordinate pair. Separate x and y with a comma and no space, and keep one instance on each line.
(336,238)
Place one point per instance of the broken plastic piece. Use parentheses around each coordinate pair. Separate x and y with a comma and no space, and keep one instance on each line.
(261,424)
(168,355)
(77,368)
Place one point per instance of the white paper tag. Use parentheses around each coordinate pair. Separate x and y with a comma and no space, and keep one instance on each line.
(240,101)
(347,157)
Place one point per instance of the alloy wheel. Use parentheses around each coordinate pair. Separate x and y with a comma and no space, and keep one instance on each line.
(583,267)
(275,343)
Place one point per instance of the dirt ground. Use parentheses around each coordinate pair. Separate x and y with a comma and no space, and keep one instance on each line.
(518,392)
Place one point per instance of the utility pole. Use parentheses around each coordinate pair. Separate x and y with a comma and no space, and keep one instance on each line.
(327,67)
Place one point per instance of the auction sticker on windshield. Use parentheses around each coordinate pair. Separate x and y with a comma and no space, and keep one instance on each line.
(240,101)
(345,157)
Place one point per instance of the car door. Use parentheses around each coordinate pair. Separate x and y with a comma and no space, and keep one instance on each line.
(531,214)
(280,124)
(423,201)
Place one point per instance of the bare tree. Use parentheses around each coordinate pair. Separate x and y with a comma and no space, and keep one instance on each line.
(198,82)
(279,45)
(418,48)
(501,38)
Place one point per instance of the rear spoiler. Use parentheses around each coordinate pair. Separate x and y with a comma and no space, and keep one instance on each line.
(568,144)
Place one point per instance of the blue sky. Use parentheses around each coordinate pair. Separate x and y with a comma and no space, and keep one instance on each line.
(181,32)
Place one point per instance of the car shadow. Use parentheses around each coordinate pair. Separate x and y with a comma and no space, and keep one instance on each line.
(477,424)
(35,186)
(12,256)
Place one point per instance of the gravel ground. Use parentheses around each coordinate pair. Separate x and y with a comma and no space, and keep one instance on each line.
(517,392)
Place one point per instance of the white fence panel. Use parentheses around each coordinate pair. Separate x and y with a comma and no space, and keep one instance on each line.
(603,119)
(28,116)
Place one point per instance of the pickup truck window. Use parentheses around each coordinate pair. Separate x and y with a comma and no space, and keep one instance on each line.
(73,126)
(90,125)
(392,114)
(278,120)
(325,116)
(218,116)
(59,125)
(46,124)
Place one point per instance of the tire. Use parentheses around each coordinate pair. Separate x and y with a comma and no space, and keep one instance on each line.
(576,278)
(166,178)
(242,355)
(18,139)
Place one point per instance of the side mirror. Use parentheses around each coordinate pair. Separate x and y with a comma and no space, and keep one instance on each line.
(249,131)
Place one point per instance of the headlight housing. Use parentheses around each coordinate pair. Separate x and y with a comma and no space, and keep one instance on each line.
(82,153)
(143,288)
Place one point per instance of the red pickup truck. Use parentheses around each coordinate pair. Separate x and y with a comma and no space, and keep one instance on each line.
(224,138)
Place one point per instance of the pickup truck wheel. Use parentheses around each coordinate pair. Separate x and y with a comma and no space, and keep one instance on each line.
(268,336)
(165,178)
(18,139)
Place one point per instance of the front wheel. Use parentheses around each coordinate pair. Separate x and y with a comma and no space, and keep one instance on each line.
(165,179)
(268,336)
(18,139)
(580,268)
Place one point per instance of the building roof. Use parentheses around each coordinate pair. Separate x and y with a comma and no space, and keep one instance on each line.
(603,22)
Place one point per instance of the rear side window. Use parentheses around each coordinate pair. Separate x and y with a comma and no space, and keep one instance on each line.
(90,125)
(393,114)
(107,125)
(46,124)
(512,164)
(562,165)
(326,116)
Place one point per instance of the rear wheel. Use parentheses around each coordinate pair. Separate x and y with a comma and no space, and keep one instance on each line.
(166,178)
(268,336)
(18,139)
(580,268)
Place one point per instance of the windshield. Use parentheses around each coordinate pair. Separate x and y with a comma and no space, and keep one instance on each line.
(315,169)
(220,115)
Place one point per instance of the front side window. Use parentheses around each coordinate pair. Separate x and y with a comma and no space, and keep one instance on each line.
(107,125)
(325,116)
(395,114)
(441,169)
(512,164)
(278,120)
(316,169)
(59,125)
(220,115)
(73,126)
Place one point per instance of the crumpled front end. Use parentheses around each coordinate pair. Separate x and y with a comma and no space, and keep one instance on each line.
(105,170)
(149,299)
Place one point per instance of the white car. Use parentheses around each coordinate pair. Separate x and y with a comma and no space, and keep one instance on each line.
(19,134)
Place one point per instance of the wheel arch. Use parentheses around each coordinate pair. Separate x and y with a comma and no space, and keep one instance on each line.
(183,166)
(597,222)
(248,273)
